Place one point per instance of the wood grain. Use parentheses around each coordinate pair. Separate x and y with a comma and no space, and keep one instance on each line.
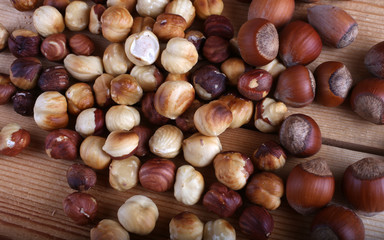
(33,186)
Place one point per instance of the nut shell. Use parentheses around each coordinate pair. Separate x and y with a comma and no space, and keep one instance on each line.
(63,144)
(157,174)
(24,72)
(13,139)
(374,60)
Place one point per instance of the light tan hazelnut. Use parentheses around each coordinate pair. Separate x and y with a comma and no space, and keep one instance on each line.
(48,20)
(177,77)
(166,141)
(173,98)
(77,15)
(169,25)
(83,68)
(241,109)
(102,89)
(4,34)
(128,4)
(189,185)
(92,154)
(124,174)
(149,77)
(138,215)
(116,23)
(90,122)
(206,8)
(115,60)
(125,90)
(121,144)
(122,117)
(219,229)
(142,48)
(183,8)
(269,114)
(213,119)
(179,56)
(50,111)
(109,229)
(141,24)
(233,68)
(79,97)
(95,18)
(199,150)
(151,8)
(274,68)
(186,226)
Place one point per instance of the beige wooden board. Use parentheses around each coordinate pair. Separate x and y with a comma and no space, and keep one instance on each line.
(33,186)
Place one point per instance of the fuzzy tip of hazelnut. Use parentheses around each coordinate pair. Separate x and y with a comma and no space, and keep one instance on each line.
(340,82)
(370,107)
(317,166)
(268,41)
(368,168)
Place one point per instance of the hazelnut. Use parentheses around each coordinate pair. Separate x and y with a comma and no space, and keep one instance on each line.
(189,185)
(92,154)
(144,134)
(255,84)
(199,150)
(219,229)
(222,200)
(149,111)
(3,37)
(79,97)
(23,102)
(241,109)
(208,82)
(151,8)
(374,60)
(95,18)
(197,38)
(213,118)
(183,8)
(169,25)
(145,212)
(300,135)
(179,56)
(206,8)
(296,86)
(121,144)
(54,78)
(299,44)
(173,98)
(166,141)
(90,122)
(116,23)
(177,77)
(24,72)
(83,68)
(233,68)
(218,25)
(128,4)
(157,174)
(108,229)
(80,207)
(274,68)
(102,90)
(216,49)
(139,55)
(185,120)
(122,117)
(149,77)
(54,47)
(335,26)
(63,144)
(60,5)
(24,43)
(141,24)
(50,111)
(256,222)
(13,139)
(125,90)
(81,177)
(77,15)
(7,89)
(186,226)
(269,114)
(269,156)
(48,20)
(123,174)
(115,60)
(81,44)
(24,5)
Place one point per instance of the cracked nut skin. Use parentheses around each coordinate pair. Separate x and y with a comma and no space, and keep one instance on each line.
(256,222)
(269,156)
(255,84)
(24,43)
(24,72)
(23,102)
(209,82)
(109,229)
(54,47)
(222,200)
(269,115)
(80,207)
(157,174)
(81,177)
(95,18)
(63,144)
(54,78)
(7,89)
(13,139)
(81,44)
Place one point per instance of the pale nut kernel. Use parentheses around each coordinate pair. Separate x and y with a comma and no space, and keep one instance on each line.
(128,4)
(213,118)
(121,117)
(186,226)
(79,97)
(183,8)
(189,185)
(108,229)
(200,150)
(77,16)
(50,111)
(145,210)
(219,229)
(141,24)
(124,174)
(233,68)
(48,20)
(269,114)
(274,68)
(177,77)
(125,90)
(179,56)
(92,154)
(115,60)
(83,68)
(151,8)
(166,141)
(206,8)
(95,18)
(149,77)
(4,34)
(173,98)
(121,144)
(116,23)
(169,25)
(241,109)
(138,54)
(13,139)
(90,122)
(102,90)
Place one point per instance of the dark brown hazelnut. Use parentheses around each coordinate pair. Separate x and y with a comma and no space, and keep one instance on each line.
(208,82)
(90,121)
(81,44)
(374,60)
(144,134)
(24,43)
(269,156)
(169,25)
(157,174)
(58,4)
(185,121)
(23,102)
(101,89)
(256,222)
(80,207)
(7,89)
(13,139)
(81,177)
(25,5)
(63,144)
(195,37)
(79,97)
(216,49)
(54,47)
(255,84)
(218,25)
(54,78)
(149,111)
(24,72)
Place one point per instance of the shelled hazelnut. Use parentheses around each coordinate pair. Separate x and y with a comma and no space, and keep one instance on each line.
(121,117)
(54,78)
(185,120)
(219,229)
(233,68)
(4,34)
(58,4)
(115,60)
(141,24)
(269,156)
(108,229)
(95,18)
(144,134)
(24,43)
(128,4)
(102,90)
(269,114)
(90,122)
(199,150)
(149,111)
(7,89)
(77,15)
(241,109)
(218,25)
(166,141)
(50,111)
(255,84)
(157,174)
(24,72)
(81,44)
(121,144)
(48,20)
(13,139)
(92,154)
(209,82)
(79,97)
(142,56)
(274,68)
(23,102)
(125,90)
(124,174)
(83,68)
(54,47)
(186,226)
(149,77)
(151,8)
(81,177)
(206,8)
(63,144)
(256,222)
(169,25)
(116,23)
(216,49)
(80,207)
(189,185)
(25,5)
(183,8)
(197,38)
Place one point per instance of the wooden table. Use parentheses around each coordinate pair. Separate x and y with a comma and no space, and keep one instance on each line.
(33,186)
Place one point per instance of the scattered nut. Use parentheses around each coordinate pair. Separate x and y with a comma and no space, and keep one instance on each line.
(92,154)
(115,60)
(23,102)
(95,18)
(54,47)
(274,68)
(121,117)
(241,109)
(205,8)
(125,90)
(216,49)
(79,97)
(197,38)
(102,90)
(183,8)
(149,77)
(13,139)
(83,68)
(186,226)
(374,59)
(63,144)
(144,134)
(48,20)
(24,43)
(157,174)
(166,141)
(149,111)
(255,84)
(269,114)
(233,68)
(81,177)
(7,89)
(116,23)
(121,144)
(80,207)
(136,53)
(141,24)
(124,174)
(218,25)
(108,229)
(279,12)
(208,82)
(269,156)
(256,222)
(219,229)
(3,37)
(189,185)
(151,8)
(169,25)
(81,44)
(24,72)
(77,15)
(90,122)
(54,78)
(25,5)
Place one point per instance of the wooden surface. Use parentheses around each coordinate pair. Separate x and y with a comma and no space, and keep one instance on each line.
(33,186)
